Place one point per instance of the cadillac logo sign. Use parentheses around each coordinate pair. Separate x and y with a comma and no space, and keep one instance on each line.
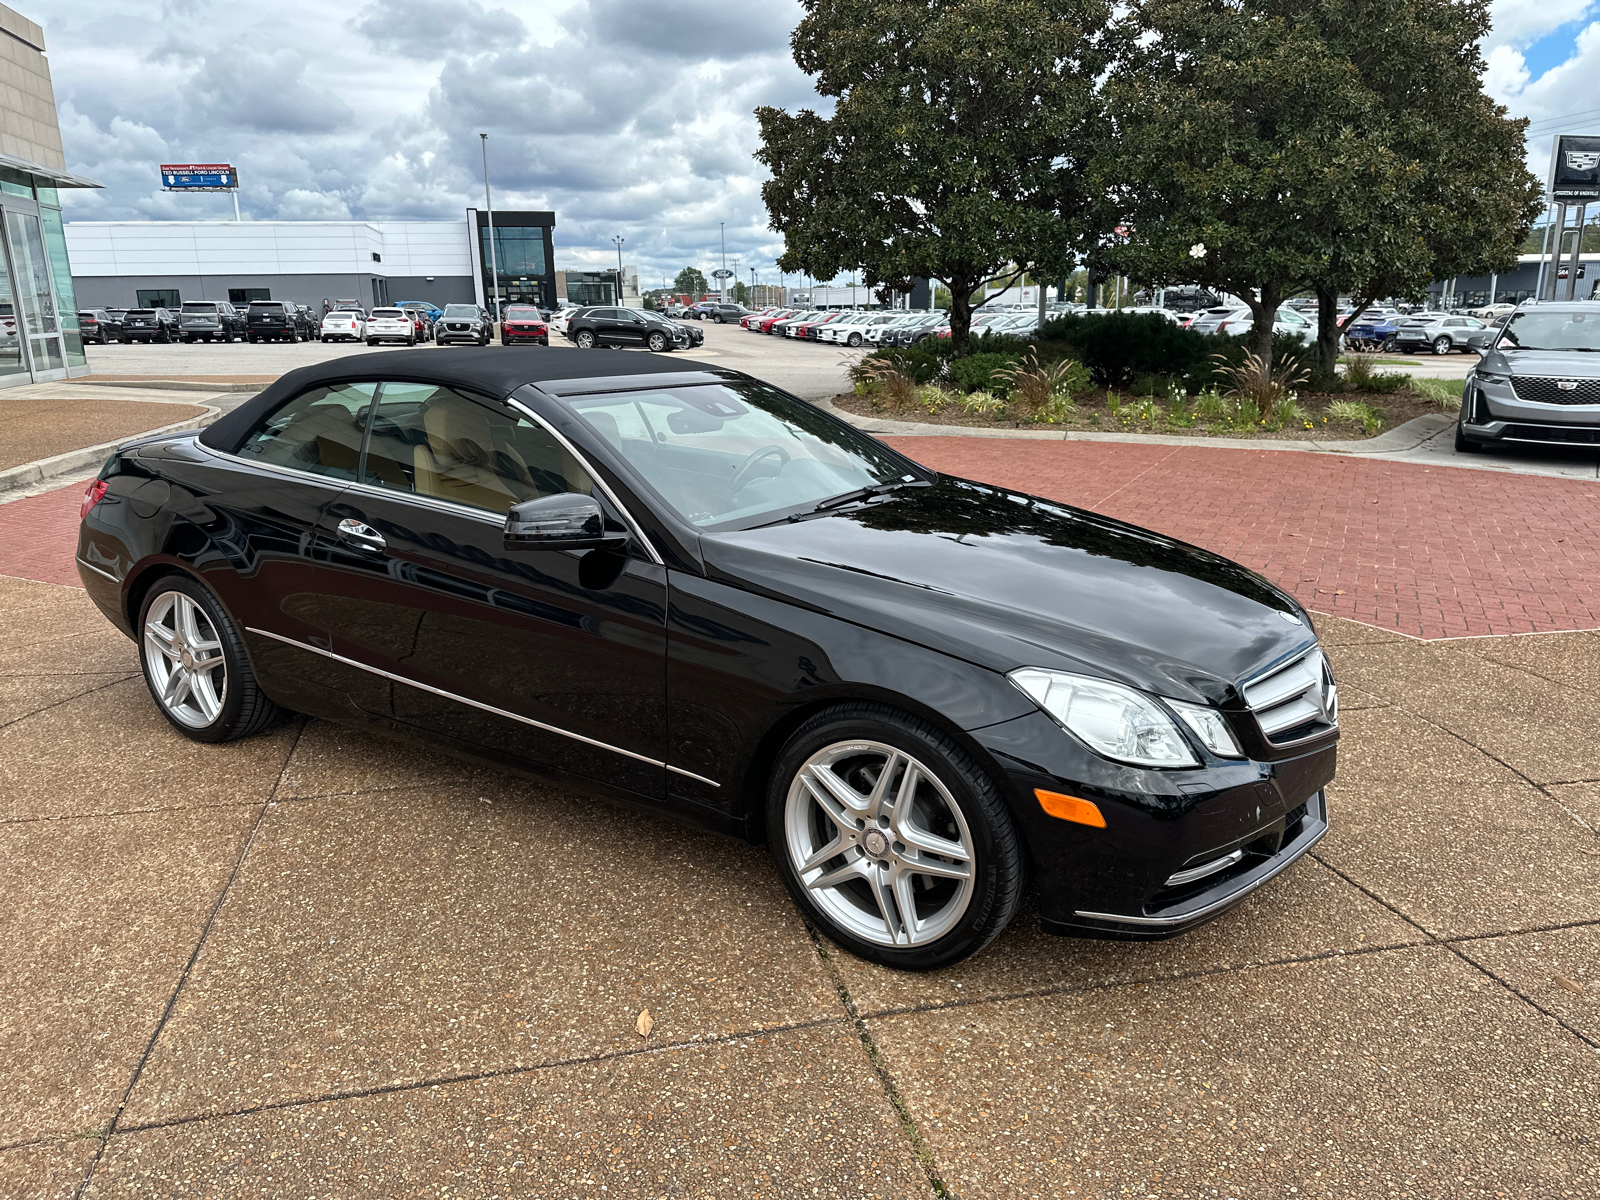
(1567,385)
(1575,169)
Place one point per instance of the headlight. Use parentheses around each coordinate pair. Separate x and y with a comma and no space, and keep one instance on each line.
(1110,719)
(1210,727)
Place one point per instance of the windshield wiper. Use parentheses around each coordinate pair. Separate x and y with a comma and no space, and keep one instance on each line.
(859,494)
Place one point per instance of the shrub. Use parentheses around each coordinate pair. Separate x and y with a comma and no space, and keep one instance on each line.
(1210,405)
(889,384)
(1446,393)
(1119,347)
(1257,381)
(976,371)
(931,397)
(1039,392)
(1353,412)
(922,363)
(980,403)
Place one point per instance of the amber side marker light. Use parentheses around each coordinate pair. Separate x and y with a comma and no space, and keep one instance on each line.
(1070,808)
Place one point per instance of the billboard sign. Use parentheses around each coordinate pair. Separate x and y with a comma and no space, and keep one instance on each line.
(1575,169)
(199,177)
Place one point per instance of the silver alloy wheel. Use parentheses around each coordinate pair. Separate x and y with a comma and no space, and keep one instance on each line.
(184,660)
(880,843)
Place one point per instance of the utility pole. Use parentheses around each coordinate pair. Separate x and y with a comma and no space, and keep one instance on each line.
(619,239)
(722,281)
(488,207)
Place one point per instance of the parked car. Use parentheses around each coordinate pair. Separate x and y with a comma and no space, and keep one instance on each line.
(849,330)
(465,323)
(524,323)
(558,322)
(1237,319)
(115,316)
(1374,330)
(724,314)
(210,321)
(1444,333)
(149,325)
(784,326)
(945,741)
(430,311)
(770,310)
(95,326)
(391,325)
(626,327)
(271,321)
(915,331)
(1493,312)
(343,325)
(1539,381)
(811,330)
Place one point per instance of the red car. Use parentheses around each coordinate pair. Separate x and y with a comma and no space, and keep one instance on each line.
(808,331)
(766,323)
(752,322)
(524,323)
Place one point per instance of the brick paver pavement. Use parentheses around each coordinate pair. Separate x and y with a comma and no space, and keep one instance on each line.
(1428,551)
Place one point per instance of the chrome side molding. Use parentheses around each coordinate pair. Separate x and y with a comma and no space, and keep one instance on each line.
(478,704)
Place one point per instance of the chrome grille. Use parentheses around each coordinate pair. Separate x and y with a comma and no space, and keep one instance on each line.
(1295,700)
(1539,389)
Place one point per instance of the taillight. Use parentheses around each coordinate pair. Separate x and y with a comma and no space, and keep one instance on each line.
(92,495)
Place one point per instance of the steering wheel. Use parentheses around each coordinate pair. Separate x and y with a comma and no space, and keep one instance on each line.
(745,469)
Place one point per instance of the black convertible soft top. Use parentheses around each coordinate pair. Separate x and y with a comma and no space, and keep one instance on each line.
(494,371)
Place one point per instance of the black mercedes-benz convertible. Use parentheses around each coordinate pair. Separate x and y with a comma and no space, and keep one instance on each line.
(684,589)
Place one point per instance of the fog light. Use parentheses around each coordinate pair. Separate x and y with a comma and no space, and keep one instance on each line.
(1070,808)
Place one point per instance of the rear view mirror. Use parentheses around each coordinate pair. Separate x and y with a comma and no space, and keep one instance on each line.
(568,521)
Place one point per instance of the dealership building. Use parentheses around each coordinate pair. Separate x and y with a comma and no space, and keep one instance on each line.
(153,264)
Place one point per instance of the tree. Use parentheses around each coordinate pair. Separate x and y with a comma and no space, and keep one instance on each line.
(1469,200)
(954,148)
(690,282)
(740,292)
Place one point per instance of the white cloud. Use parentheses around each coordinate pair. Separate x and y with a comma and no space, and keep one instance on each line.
(1522,22)
(625,117)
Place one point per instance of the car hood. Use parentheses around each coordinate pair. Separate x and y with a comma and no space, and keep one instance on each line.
(1567,364)
(1006,580)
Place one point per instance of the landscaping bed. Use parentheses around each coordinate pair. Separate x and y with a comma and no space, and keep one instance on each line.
(1101,410)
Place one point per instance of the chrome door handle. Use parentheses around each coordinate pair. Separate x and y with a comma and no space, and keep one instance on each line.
(363,537)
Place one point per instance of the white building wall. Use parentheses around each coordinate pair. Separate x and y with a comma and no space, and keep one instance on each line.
(145,248)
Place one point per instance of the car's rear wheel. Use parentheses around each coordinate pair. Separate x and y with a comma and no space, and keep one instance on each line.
(584,339)
(195,665)
(891,839)
(1441,345)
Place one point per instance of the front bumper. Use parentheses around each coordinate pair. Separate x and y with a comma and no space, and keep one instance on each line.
(1492,412)
(1231,825)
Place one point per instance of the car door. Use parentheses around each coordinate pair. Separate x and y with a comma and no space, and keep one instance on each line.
(551,658)
(631,327)
(268,506)
(606,326)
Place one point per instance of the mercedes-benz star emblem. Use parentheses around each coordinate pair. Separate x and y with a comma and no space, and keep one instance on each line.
(876,843)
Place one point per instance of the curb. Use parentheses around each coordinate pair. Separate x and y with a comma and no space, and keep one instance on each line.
(156,384)
(74,462)
(1397,440)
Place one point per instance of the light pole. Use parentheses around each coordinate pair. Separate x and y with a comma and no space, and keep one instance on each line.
(619,239)
(488,206)
(752,286)
(722,280)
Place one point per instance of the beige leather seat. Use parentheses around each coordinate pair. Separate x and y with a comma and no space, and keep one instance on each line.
(458,462)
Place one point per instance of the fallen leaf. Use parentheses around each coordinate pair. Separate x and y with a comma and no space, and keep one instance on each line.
(644,1023)
(1570,984)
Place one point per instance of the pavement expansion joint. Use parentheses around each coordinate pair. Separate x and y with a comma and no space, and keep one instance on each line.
(188,969)
(68,699)
(1520,931)
(1451,946)
(891,1091)
(126,812)
(437,1081)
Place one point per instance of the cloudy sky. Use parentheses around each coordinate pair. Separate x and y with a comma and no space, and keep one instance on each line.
(628,117)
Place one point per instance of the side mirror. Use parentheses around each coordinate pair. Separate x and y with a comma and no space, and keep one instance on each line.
(568,521)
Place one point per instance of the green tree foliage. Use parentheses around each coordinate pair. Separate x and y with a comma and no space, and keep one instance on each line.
(1270,146)
(739,293)
(690,281)
(1465,197)
(953,151)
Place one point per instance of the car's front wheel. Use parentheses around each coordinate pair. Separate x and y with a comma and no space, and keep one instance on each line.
(195,665)
(891,839)
(657,342)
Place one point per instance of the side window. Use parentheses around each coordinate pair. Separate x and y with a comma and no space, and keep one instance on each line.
(436,441)
(318,431)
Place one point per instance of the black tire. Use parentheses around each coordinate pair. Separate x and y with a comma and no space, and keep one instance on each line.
(245,709)
(1466,445)
(250,338)
(657,342)
(584,339)
(997,865)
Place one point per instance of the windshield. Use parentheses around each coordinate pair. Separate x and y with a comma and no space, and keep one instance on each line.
(390,313)
(1544,330)
(523,312)
(460,310)
(738,454)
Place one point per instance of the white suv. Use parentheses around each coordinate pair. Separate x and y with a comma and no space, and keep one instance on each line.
(390,325)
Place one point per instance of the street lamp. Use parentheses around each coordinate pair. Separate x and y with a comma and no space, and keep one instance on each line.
(722,280)
(619,239)
(488,206)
